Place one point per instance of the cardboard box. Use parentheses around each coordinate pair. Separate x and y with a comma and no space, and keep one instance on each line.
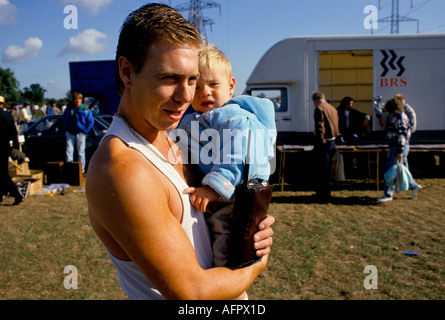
(60,172)
(72,173)
(34,184)
(53,172)
(18,169)
(35,178)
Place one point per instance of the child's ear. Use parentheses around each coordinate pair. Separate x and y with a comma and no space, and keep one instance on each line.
(232,86)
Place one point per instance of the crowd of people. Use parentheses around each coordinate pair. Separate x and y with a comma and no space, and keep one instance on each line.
(77,122)
(346,125)
(23,114)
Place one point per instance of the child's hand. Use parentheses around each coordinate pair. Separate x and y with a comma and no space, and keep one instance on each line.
(201,197)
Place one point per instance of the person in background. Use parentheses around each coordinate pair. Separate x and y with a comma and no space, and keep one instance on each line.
(352,123)
(78,120)
(409,111)
(379,109)
(50,110)
(8,134)
(326,131)
(15,113)
(398,135)
(24,117)
(2,102)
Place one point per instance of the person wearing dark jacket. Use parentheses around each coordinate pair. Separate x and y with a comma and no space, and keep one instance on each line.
(352,123)
(326,130)
(8,132)
(78,120)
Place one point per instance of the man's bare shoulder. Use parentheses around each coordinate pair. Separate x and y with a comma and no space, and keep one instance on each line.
(115,158)
(118,170)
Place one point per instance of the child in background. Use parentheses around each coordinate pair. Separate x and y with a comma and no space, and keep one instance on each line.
(218,111)
(398,135)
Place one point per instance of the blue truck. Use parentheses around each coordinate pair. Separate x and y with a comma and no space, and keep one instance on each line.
(95,80)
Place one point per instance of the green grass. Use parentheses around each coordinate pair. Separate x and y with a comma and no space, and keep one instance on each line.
(319,252)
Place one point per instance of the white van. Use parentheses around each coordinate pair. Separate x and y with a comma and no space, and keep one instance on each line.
(361,67)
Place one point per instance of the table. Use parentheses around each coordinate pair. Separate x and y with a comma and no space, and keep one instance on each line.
(370,149)
(426,147)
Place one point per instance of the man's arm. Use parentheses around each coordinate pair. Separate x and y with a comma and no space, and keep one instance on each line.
(412,117)
(319,126)
(89,121)
(130,209)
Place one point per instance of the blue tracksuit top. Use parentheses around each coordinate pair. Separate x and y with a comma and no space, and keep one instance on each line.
(84,120)
(216,142)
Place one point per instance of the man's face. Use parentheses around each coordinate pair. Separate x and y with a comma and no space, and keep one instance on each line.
(214,88)
(350,105)
(77,102)
(164,88)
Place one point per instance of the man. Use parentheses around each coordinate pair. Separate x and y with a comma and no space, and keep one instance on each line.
(14,111)
(157,241)
(8,133)
(326,130)
(78,120)
(353,124)
(24,117)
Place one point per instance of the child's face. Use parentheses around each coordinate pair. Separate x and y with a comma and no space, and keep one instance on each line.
(213,89)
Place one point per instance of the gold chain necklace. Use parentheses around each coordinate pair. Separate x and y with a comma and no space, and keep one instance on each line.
(149,146)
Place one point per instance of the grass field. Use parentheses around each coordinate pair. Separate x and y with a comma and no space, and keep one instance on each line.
(320,251)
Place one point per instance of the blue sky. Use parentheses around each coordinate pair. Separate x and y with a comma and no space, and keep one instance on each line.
(36,45)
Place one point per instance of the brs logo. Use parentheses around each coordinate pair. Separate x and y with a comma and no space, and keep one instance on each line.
(395,63)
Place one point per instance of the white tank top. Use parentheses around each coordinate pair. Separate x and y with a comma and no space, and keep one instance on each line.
(131,279)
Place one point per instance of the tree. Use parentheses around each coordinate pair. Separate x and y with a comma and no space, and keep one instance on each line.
(35,93)
(9,86)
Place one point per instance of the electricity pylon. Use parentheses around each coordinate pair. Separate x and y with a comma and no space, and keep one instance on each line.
(196,17)
(395,18)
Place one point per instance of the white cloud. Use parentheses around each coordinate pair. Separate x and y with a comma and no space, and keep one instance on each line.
(29,50)
(92,6)
(7,11)
(87,42)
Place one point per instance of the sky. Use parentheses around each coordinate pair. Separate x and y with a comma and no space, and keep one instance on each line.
(40,37)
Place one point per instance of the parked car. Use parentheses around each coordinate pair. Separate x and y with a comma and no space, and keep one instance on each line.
(45,140)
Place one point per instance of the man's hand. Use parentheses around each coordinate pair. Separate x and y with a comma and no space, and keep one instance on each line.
(263,238)
(201,197)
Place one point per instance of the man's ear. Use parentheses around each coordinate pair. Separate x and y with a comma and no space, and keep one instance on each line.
(125,71)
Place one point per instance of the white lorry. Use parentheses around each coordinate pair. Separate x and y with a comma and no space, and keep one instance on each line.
(362,67)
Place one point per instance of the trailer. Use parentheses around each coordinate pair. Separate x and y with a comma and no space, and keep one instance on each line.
(95,80)
(361,67)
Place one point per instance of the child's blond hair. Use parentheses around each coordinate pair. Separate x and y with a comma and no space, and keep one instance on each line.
(209,54)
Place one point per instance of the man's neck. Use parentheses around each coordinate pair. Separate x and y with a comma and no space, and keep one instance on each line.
(321,102)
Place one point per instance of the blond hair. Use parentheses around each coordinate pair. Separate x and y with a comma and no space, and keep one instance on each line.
(77,95)
(209,54)
(400,97)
